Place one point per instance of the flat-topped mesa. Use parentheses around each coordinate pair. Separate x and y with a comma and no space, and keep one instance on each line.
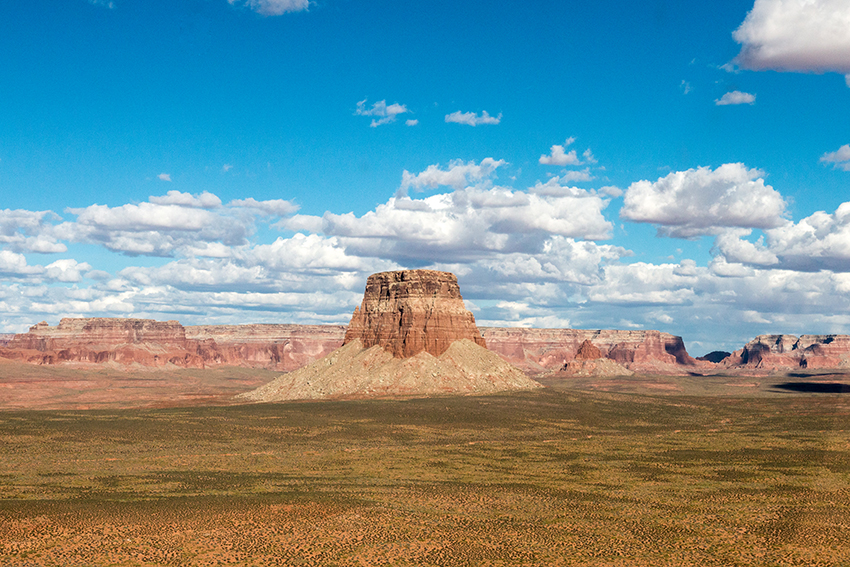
(99,332)
(411,311)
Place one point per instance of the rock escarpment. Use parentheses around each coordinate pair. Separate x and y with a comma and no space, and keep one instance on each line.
(541,350)
(277,347)
(411,336)
(777,352)
(145,342)
(410,311)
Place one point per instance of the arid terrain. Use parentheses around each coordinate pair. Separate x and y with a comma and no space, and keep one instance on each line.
(125,442)
(639,470)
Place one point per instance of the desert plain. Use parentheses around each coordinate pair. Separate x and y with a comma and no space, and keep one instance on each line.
(161,467)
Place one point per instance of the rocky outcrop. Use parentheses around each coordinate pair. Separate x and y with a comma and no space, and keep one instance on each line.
(278,347)
(412,311)
(778,352)
(411,336)
(588,351)
(541,350)
(145,342)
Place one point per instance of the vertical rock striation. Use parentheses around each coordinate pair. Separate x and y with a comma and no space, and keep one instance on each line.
(411,311)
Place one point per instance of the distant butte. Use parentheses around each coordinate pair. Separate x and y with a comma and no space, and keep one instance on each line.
(410,311)
(411,336)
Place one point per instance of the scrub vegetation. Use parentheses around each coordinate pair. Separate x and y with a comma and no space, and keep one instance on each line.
(566,475)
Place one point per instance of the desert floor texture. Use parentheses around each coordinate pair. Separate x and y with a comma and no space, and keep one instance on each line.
(658,471)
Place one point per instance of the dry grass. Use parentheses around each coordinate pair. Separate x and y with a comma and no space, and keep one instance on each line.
(550,477)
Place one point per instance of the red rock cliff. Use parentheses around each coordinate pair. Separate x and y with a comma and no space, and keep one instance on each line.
(539,350)
(778,352)
(411,311)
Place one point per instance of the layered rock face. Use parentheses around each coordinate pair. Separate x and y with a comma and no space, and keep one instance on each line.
(99,340)
(588,361)
(412,311)
(145,342)
(278,347)
(541,350)
(776,352)
(411,336)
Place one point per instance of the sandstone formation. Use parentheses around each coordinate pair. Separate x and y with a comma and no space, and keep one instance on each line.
(778,352)
(541,350)
(411,336)
(411,311)
(277,347)
(145,342)
(588,361)
(588,351)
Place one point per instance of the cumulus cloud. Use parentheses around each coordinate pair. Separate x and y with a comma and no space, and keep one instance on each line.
(735,97)
(67,270)
(203,201)
(273,7)
(458,175)
(411,122)
(273,207)
(164,176)
(558,155)
(385,114)
(469,223)
(14,265)
(839,158)
(177,223)
(818,242)
(472,119)
(29,231)
(796,35)
(686,204)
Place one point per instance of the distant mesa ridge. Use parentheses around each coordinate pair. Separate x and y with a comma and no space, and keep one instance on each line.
(284,347)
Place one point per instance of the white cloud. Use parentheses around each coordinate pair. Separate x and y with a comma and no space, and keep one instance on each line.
(820,241)
(13,265)
(67,270)
(226,167)
(177,223)
(733,248)
(558,155)
(411,122)
(472,119)
(700,201)
(385,114)
(203,201)
(840,158)
(273,7)
(164,176)
(796,35)
(274,207)
(29,231)
(458,175)
(469,223)
(735,97)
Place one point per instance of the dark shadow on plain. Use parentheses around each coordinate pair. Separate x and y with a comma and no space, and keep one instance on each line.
(815,387)
(811,374)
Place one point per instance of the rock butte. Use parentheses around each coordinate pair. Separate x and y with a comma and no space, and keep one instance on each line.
(411,336)
(410,311)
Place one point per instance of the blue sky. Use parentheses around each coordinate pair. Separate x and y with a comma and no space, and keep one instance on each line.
(671,165)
